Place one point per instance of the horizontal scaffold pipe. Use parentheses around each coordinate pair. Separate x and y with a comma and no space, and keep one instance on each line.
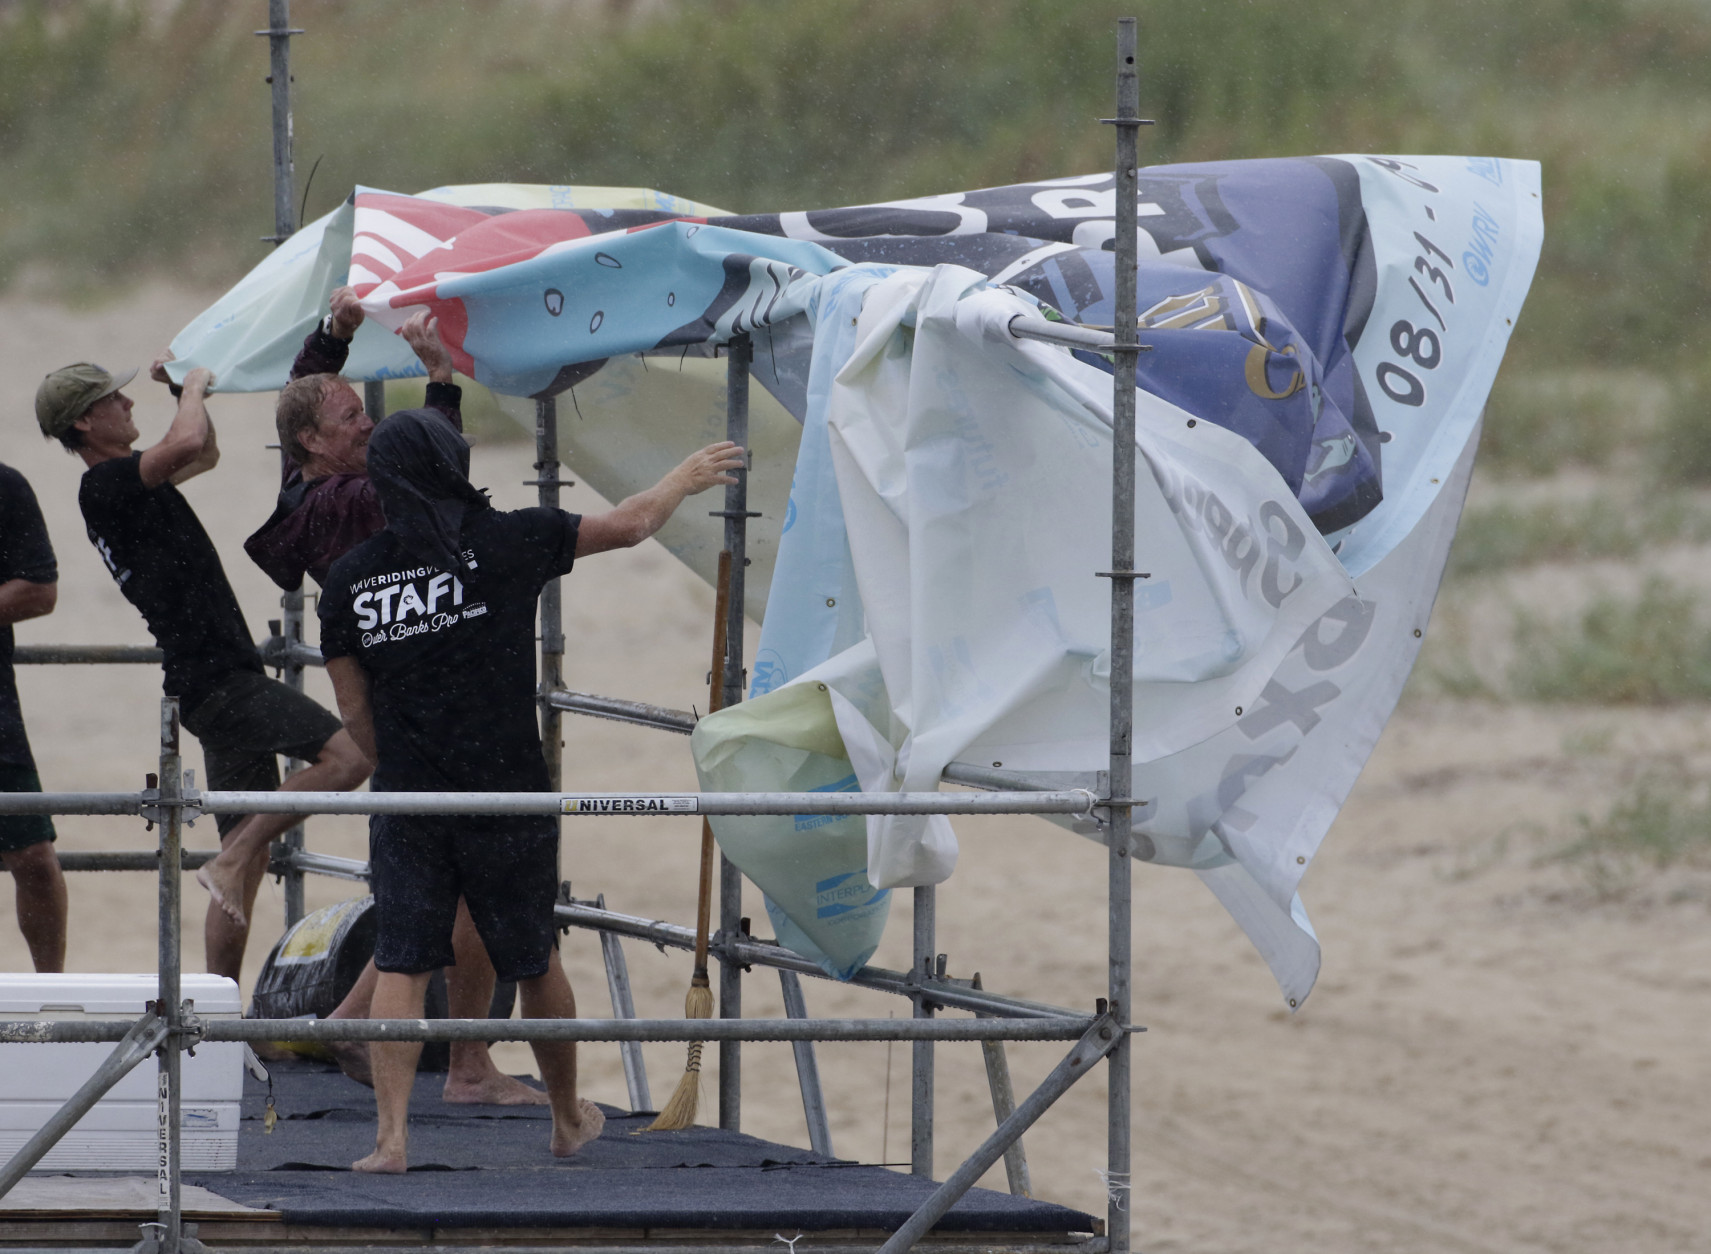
(1055,1028)
(106,860)
(601,804)
(285,858)
(619,710)
(74,802)
(1071,801)
(275,651)
(1066,334)
(75,654)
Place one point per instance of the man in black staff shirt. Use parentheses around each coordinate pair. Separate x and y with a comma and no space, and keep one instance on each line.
(29,586)
(428,630)
(156,549)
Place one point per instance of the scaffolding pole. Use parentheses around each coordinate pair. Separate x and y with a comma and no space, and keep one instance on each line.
(921,1054)
(1122,575)
(552,596)
(279,35)
(739,354)
(169,817)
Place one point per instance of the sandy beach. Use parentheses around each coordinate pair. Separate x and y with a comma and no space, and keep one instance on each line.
(1496,1058)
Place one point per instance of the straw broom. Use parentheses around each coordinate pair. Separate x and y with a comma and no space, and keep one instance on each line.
(680,1111)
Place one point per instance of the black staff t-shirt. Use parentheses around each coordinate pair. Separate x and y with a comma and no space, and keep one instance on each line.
(24,554)
(451,666)
(155,548)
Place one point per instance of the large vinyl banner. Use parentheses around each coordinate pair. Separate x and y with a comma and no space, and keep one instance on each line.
(1323,333)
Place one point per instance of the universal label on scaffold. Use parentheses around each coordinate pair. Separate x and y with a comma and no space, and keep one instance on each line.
(631,805)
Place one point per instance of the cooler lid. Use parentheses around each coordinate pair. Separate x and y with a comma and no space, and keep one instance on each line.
(25,993)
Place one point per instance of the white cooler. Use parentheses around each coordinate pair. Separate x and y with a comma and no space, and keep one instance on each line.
(120,1133)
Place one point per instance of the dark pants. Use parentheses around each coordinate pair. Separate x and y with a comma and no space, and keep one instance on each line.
(244,724)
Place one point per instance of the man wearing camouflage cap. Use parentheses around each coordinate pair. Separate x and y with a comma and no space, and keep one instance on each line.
(156,549)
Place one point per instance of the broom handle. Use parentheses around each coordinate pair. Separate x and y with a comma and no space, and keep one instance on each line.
(704,908)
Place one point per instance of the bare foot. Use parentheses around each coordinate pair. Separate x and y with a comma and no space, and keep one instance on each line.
(494,1089)
(352,1058)
(381,1162)
(567,1141)
(225,886)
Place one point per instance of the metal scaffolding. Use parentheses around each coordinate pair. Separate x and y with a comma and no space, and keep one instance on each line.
(171,1025)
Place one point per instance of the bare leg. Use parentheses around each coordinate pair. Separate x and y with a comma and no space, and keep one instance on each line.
(356,1002)
(225,936)
(39,886)
(472,1076)
(396,996)
(352,1056)
(340,766)
(575,1123)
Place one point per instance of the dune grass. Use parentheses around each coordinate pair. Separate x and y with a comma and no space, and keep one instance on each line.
(1507,535)
(1662,820)
(1654,650)
(1681,448)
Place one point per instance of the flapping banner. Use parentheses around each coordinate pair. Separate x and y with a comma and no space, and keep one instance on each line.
(1324,332)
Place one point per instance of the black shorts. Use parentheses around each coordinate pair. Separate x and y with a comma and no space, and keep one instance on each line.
(505,866)
(20,831)
(244,723)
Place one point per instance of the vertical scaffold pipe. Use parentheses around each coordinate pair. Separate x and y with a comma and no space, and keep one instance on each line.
(921,1054)
(169,1000)
(284,225)
(740,353)
(1122,637)
(279,63)
(552,603)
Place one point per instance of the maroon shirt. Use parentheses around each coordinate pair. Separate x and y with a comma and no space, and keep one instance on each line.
(318,521)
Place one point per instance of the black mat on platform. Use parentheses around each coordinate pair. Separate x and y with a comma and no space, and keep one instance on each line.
(488,1166)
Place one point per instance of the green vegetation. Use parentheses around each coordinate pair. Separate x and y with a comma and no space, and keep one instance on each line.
(1537,424)
(1681,451)
(1663,819)
(135,136)
(1506,535)
(1653,651)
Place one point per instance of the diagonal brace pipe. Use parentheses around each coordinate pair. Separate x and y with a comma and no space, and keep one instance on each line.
(1099,1040)
(141,1041)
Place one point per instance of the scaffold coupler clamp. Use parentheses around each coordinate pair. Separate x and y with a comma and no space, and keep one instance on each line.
(150,809)
(190,809)
(191,1029)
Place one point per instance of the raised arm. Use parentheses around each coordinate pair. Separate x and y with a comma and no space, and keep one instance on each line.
(188,447)
(636,518)
(422,333)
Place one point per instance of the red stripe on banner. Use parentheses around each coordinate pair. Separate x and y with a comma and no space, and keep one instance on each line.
(454,329)
(392,246)
(493,242)
(442,221)
(648,226)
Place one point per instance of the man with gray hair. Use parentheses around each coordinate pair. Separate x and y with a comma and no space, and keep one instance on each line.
(326,503)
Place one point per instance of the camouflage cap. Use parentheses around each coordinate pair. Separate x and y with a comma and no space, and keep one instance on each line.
(67,393)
